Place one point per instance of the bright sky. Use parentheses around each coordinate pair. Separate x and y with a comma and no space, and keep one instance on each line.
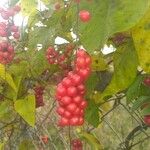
(18,21)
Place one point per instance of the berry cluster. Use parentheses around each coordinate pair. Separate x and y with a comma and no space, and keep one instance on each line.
(76,144)
(7,27)
(54,57)
(70,92)
(6,52)
(147,120)
(39,90)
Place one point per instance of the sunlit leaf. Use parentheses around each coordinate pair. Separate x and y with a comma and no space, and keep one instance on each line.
(26,109)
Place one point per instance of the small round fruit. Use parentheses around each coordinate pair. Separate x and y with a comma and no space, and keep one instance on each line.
(71,107)
(76,79)
(63,122)
(147,120)
(67,82)
(84,15)
(74,121)
(72,91)
(66,100)
(61,91)
(44,139)
(67,114)
(77,99)
(147,81)
(83,104)
(17,8)
(16,35)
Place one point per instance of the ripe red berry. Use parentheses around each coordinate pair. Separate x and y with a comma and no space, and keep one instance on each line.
(3,33)
(81,62)
(76,79)
(67,82)
(17,8)
(77,99)
(83,104)
(5,15)
(72,91)
(16,35)
(45,139)
(61,91)
(147,120)
(66,100)
(147,81)
(57,6)
(71,107)
(14,28)
(84,15)
(67,114)
(63,122)
(74,121)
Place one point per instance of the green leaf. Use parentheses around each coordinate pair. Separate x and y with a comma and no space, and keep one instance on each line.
(28,6)
(26,109)
(141,37)
(139,101)
(98,62)
(7,77)
(134,89)
(124,69)
(92,140)
(4,108)
(109,17)
(146,111)
(92,114)
(26,144)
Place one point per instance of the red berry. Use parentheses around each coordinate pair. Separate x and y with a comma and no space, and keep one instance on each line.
(67,82)
(77,99)
(72,91)
(3,33)
(74,121)
(44,139)
(83,104)
(63,122)
(77,112)
(81,53)
(67,114)
(71,107)
(66,100)
(11,12)
(16,35)
(14,28)
(84,15)
(147,119)
(5,15)
(76,79)
(57,6)
(61,91)
(84,73)
(17,8)
(81,62)
(147,81)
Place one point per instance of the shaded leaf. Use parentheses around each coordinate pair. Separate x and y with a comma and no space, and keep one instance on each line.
(146,111)
(124,69)
(92,114)
(134,89)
